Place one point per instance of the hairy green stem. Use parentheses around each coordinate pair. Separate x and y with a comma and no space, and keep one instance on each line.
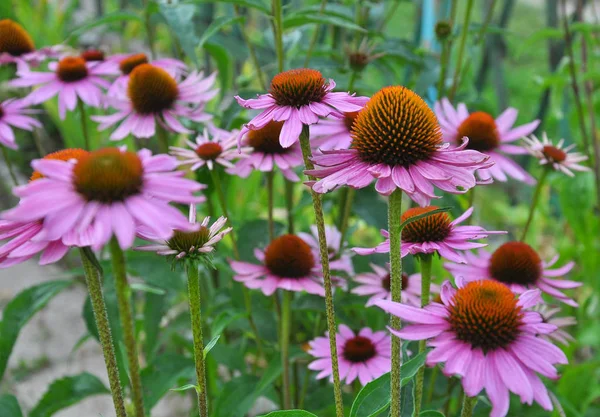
(468,406)
(289,201)
(286,324)
(426,261)
(193,275)
(270,175)
(315,36)
(394,215)
(94,284)
(534,202)
(461,49)
(127,323)
(324,252)
(278,33)
(84,128)
(9,166)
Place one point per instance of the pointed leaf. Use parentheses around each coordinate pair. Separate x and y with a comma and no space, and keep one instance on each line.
(9,406)
(211,345)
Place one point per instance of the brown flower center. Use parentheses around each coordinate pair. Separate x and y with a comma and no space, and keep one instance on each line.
(553,154)
(151,89)
(359,349)
(266,140)
(396,127)
(480,128)
(298,87)
(433,228)
(62,155)
(108,175)
(1,112)
(71,69)
(209,151)
(92,55)
(288,256)
(387,281)
(349,119)
(131,62)
(188,241)
(485,315)
(515,263)
(14,40)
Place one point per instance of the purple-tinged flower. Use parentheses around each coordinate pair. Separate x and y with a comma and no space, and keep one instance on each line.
(517,265)
(105,192)
(555,156)
(298,97)
(333,133)
(397,141)
(483,333)
(337,261)
(492,137)
(377,285)
(365,355)
(154,96)
(17,47)
(15,113)
(267,153)
(549,316)
(434,233)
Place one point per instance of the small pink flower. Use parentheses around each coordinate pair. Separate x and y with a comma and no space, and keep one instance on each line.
(17,47)
(267,153)
(333,133)
(558,158)
(298,97)
(492,137)
(377,285)
(396,141)
(206,151)
(517,265)
(337,261)
(72,79)
(549,316)
(365,355)
(434,233)
(15,113)
(486,335)
(288,263)
(108,191)
(154,96)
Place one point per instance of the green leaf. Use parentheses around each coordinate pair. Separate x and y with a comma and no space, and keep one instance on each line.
(217,25)
(301,18)
(9,406)
(105,20)
(422,216)
(289,413)
(163,373)
(223,320)
(374,397)
(236,397)
(18,312)
(211,344)
(67,391)
(138,286)
(431,413)
(179,18)
(224,63)
(184,388)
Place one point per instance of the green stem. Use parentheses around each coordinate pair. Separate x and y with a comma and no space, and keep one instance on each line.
(270,175)
(289,201)
(352,80)
(149,29)
(331,327)
(251,51)
(84,129)
(431,388)
(278,32)
(94,284)
(468,406)
(236,254)
(461,49)
(286,324)
(345,214)
(443,68)
(193,275)
(315,36)
(127,323)
(536,197)
(394,215)
(11,171)
(470,204)
(426,261)
(163,139)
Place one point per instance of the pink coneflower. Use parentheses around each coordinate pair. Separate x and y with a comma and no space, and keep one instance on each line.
(93,55)
(72,79)
(333,133)
(298,97)
(207,151)
(187,245)
(396,140)
(555,156)
(337,261)
(15,113)
(434,233)
(517,265)
(154,96)
(483,333)
(492,137)
(365,355)
(17,47)
(549,316)
(377,285)
(267,153)
(107,191)
(288,263)
(122,65)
